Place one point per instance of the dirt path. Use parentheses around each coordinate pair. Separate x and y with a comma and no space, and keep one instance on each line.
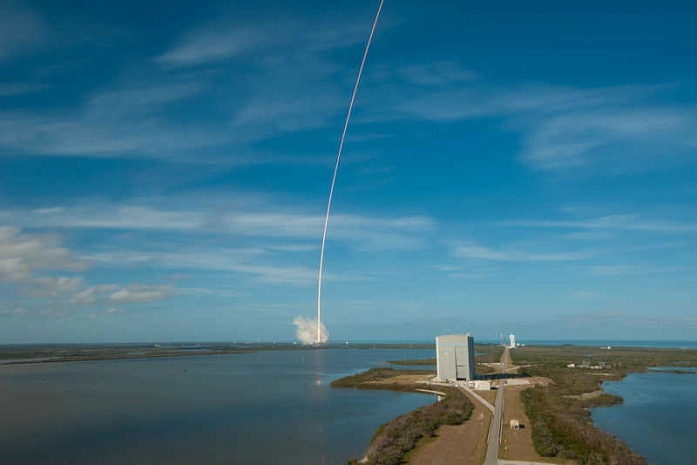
(517,443)
(462,444)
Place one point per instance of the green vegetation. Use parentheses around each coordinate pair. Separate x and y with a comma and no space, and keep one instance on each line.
(393,440)
(559,415)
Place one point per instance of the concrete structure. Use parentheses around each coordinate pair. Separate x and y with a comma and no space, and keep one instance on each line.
(518,382)
(482,386)
(512,344)
(455,357)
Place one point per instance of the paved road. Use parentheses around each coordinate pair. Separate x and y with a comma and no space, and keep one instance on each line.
(494,438)
(483,401)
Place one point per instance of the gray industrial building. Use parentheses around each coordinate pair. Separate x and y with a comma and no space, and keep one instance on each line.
(455,357)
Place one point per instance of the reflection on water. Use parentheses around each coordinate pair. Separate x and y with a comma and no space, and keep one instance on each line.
(656,418)
(270,407)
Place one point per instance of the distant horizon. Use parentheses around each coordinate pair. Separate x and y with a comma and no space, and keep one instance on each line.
(359,341)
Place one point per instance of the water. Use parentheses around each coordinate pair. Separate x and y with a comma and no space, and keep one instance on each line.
(657,418)
(260,408)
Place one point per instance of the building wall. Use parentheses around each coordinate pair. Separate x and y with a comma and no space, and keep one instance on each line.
(455,357)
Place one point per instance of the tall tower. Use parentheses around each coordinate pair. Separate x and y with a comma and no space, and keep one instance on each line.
(455,357)
(512,344)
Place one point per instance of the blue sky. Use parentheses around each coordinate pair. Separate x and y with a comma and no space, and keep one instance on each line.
(164,168)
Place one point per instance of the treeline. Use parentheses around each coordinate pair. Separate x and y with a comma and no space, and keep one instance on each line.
(561,428)
(393,440)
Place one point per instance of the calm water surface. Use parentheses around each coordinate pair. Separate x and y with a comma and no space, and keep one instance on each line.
(263,408)
(657,418)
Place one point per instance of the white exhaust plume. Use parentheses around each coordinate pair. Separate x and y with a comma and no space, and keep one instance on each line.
(306,330)
(319,337)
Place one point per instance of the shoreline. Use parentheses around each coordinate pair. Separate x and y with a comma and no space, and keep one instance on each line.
(635,360)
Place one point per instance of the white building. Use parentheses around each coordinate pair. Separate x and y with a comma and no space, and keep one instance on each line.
(455,357)
(512,344)
(482,385)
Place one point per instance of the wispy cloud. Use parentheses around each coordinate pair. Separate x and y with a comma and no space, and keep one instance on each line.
(609,130)
(369,232)
(228,39)
(439,73)
(52,286)
(631,270)
(133,118)
(213,43)
(122,122)
(623,222)
(590,235)
(139,293)
(606,137)
(90,295)
(476,251)
(477,274)
(248,264)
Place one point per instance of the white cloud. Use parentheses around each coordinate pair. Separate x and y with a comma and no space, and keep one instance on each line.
(139,293)
(226,39)
(113,311)
(482,100)
(627,140)
(295,248)
(631,270)
(473,274)
(608,130)
(52,286)
(369,232)
(91,294)
(590,235)
(626,222)
(23,254)
(226,260)
(213,43)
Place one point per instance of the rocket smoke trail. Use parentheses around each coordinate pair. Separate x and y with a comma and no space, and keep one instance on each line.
(336,169)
